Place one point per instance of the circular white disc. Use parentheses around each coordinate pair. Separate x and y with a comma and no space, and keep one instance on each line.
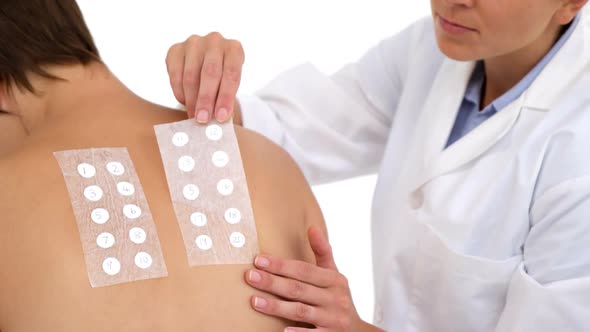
(143,260)
(93,193)
(125,188)
(100,216)
(111,266)
(220,158)
(186,163)
(86,170)
(190,192)
(214,132)
(180,139)
(137,235)
(115,168)
(225,187)
(105,240)
(233,216)
(204,242)
(131,211)
(199,219)
(237,239)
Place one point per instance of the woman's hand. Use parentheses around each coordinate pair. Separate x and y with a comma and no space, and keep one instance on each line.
(313,294)
(205,74)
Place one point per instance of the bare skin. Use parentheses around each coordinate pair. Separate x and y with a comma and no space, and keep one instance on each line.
(43,278)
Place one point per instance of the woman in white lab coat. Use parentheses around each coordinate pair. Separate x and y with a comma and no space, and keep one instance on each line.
(477,121)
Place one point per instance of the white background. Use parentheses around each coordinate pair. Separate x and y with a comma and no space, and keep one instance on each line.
(134,36)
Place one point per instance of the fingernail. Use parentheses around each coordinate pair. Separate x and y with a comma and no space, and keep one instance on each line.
(260,302)
(254,276)
(202,116)
(221,114)
(288,329)
(261,262)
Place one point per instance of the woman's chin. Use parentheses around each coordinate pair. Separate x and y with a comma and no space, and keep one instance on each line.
(457,52)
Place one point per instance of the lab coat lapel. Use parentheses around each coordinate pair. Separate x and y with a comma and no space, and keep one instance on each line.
(443,104)
(476,142)
(438,116)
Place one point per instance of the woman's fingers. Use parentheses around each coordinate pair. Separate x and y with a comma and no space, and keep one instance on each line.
(321,248)
(211,71)
(230,80)
(193,64)
(291,289)
(298,270)
(205,74)
(318,295)
(302,329)
(293,311)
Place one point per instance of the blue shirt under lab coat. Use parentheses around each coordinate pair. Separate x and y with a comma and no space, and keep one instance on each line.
(470,116)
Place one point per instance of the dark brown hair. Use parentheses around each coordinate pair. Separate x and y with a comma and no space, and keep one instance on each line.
(37,33)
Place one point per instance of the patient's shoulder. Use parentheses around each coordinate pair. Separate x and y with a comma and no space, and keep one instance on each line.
(271,171)
(266,163)
(283,202)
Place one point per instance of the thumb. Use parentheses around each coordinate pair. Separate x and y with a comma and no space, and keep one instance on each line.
(321,248)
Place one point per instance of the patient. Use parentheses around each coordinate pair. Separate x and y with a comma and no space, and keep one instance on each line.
(77,104)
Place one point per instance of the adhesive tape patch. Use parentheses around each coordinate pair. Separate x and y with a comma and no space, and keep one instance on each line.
(209,191)
(116,228)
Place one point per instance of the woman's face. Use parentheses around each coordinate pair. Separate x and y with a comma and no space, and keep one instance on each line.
(468,30)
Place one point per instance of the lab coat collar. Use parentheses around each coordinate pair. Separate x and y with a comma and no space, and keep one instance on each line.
(565,68)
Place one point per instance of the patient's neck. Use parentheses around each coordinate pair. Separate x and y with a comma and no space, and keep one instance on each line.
(73,97)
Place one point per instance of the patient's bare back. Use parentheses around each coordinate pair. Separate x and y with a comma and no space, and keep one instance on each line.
(44,282)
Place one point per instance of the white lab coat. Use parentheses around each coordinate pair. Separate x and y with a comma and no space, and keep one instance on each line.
(490,234)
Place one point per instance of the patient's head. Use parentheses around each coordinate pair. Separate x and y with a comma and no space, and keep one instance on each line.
(39,33)
(36,37)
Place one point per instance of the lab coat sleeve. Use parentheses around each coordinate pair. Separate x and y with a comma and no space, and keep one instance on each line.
(336,126)
(551,289)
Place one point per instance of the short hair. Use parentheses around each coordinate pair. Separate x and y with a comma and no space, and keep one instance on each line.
(38,33)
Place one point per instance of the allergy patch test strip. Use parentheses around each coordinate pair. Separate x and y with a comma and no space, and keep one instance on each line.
(209,192)
(118,233)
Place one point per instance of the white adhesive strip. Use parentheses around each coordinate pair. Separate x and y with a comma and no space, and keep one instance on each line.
(209,192)
(118,233)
